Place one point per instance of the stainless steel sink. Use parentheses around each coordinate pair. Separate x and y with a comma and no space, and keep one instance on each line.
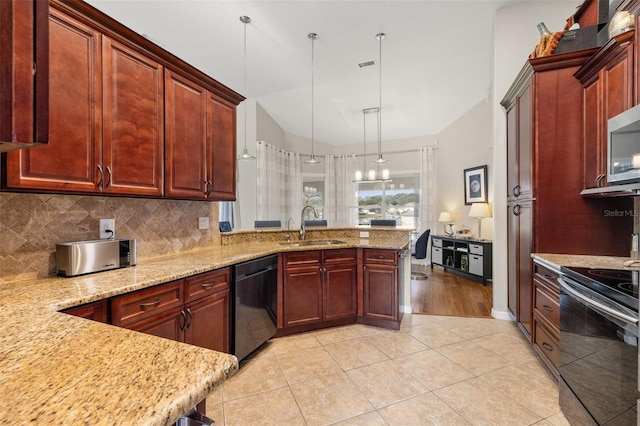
(312,243)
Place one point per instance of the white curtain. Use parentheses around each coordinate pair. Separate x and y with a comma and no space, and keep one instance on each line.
(428,185)
(279,183)
(341,203)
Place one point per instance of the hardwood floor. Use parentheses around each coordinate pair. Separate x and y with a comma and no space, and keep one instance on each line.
(444,293)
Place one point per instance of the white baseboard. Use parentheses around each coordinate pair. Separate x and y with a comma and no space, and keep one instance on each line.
(502,315)
(405,309)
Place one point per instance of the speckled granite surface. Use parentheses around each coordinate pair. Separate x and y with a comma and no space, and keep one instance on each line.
(555,261)
(59,369)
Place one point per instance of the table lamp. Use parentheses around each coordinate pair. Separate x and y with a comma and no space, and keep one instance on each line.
(445,217)
(480,210)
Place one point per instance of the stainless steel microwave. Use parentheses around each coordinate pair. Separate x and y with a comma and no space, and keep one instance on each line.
(623,147)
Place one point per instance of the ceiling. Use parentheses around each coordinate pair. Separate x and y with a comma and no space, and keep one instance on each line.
(437,58)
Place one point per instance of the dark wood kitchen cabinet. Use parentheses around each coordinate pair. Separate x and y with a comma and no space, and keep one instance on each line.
(381,289)
(544,108)
(200,141)
(608,89)
(95,311)
(546,315)
(319,288)
(106,110)
(196,310)
(24,75)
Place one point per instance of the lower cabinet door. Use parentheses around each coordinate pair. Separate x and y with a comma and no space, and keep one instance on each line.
(339,291)
(381,292)
(302,296)
(208,324)
(168,324)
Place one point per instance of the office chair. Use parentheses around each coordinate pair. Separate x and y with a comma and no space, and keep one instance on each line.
(420,252)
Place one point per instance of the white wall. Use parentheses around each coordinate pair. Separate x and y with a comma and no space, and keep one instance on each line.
(515,37)
(466,143)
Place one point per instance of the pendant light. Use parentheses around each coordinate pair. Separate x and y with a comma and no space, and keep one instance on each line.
(380,160)
(371,175)
(245,154)
(313,37)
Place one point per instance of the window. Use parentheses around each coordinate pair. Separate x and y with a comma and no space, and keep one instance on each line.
(313,195)
(398,199)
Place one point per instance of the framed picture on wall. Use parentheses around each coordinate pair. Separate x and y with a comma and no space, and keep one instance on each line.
(475,185)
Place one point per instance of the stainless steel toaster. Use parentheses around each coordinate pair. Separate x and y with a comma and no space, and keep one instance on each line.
(85,257)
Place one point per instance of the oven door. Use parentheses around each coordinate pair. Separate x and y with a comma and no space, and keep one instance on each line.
(598,358)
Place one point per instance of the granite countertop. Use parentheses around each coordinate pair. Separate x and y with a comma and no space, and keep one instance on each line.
(60,369)
(555,261)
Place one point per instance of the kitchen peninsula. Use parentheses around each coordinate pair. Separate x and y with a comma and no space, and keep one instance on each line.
(58,368)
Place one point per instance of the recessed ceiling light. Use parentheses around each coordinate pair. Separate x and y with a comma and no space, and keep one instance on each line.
(366,64)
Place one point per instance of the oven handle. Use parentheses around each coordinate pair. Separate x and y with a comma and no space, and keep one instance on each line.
(598,306)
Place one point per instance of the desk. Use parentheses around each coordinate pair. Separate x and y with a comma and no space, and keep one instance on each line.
(464,256)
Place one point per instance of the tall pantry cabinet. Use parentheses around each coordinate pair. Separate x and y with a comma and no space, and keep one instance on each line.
(546,213)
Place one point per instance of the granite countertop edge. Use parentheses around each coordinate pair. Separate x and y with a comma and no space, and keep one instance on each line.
(556,261)
(58,366)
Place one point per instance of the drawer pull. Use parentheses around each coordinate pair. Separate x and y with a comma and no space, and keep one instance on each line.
(547,346)
(145,306)
(548,276)
(208,285)
(547,308)
(379,256)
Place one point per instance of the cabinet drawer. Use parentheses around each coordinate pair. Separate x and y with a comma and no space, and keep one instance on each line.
(436,242)
(547,306)
(387,257)
(141,304)
(475,264)
(202,285)
(547,344)
(436,255)
(476,249)
(547,276)
(340,256)
(302,258)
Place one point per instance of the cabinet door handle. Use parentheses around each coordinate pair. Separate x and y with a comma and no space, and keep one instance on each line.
(599,180)
(183,321)
(109,177)
(547,346)
(190,317)
(145,306)
(547,308)
(516,191)
(101,176)
(516,210)
(206,187)
(210,187)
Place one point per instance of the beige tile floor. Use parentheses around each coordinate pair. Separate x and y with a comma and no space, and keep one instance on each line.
(435,370)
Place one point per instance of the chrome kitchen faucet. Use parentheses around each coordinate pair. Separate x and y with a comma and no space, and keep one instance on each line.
(303,231)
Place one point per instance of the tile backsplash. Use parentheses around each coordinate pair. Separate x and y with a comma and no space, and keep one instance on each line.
(32,224)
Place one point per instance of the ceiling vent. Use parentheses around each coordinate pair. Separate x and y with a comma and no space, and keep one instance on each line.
(366,64)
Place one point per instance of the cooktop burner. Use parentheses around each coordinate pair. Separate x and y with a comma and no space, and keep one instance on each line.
(617,284)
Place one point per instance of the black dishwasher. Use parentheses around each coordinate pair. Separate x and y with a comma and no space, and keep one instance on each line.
(254,312)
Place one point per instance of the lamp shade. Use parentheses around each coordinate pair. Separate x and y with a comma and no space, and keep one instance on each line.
(480,210)
(444,217)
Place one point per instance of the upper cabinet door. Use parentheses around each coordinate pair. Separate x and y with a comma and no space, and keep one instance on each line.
(525,145)
(68,162)
(185,138)
(133,148)
(221,125)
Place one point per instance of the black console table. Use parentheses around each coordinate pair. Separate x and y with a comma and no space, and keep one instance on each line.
(464,256)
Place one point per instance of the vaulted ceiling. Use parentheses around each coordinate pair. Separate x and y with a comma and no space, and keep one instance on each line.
(437,58)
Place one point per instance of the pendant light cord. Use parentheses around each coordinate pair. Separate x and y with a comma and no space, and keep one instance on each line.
(313,37)
(380,37)
(245,154)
